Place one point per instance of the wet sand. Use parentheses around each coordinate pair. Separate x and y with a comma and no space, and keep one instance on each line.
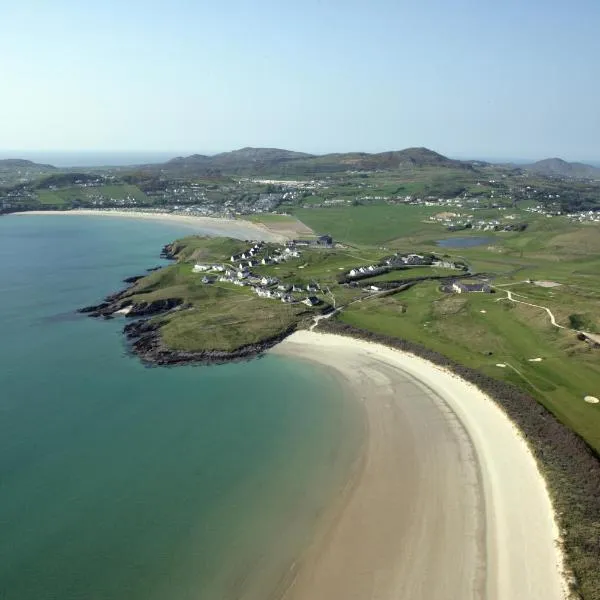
(446,502)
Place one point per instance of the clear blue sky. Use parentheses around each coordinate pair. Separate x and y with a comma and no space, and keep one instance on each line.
(517,78)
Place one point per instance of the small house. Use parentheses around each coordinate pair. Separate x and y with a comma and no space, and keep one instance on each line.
(311,301)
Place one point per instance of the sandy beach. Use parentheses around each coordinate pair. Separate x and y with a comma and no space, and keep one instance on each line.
(237,228)
(447,501)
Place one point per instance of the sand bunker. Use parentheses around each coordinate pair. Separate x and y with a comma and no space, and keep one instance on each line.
(591,400)
(546,284)
(538,359)
(501,365)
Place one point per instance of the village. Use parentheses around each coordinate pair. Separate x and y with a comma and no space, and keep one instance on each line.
(241,271)
(238,272)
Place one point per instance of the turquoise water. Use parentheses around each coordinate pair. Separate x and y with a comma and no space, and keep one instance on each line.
(123,482)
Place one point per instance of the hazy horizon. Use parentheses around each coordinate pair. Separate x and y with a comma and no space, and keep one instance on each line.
(90,158)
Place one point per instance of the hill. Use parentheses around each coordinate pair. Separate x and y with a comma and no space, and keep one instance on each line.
(287,162)
(21,163)
(562,168)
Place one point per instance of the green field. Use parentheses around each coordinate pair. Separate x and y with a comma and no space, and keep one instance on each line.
(69,195)
(478,330)
(365,225)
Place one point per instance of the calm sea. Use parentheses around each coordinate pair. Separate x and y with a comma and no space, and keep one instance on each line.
(124,482)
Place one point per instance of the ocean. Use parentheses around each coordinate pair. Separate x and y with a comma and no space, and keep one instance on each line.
(119,481)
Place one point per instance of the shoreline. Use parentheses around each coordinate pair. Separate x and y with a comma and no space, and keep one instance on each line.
(445,473)
(217,226)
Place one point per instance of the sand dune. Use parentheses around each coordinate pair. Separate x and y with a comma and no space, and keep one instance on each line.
(447,502)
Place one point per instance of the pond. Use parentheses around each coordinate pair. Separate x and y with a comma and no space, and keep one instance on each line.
(464,242)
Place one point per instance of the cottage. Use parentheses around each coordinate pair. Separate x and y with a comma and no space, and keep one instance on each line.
(325,240)
(311,301)
(201,268)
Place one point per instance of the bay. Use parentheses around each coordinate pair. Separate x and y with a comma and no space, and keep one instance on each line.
(120,481)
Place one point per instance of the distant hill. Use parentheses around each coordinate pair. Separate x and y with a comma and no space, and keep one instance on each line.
(562,168)
(266,160)
(21,163)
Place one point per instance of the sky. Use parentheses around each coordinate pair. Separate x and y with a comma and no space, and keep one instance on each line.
(467,78)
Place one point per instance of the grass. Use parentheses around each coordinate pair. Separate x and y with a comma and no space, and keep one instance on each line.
(62,196)
(369,225)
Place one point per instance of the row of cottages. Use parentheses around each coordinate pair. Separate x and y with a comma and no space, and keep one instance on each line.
(262,292)
(205,268)
(370,270)
(408,259)
(460,287)
(248,254)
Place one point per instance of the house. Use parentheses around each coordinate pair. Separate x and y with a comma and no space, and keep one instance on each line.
(311,301)
(263,292)
(242,274)
(284,287)
(353,272)
(235,257)
(460,287)
(266,261)
(206,279)
(201,268)
(312,287)
(287,299)
(297,288)
(218,268)
(325,240)
(268,280)
(374,288)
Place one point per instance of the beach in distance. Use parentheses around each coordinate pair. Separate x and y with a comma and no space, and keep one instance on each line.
(238,228)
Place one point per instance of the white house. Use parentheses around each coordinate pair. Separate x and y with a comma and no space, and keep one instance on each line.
(201,268)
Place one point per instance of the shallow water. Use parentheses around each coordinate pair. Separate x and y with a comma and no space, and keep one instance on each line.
(120,481)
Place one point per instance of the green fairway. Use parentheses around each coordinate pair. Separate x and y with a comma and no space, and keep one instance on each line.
(374,224)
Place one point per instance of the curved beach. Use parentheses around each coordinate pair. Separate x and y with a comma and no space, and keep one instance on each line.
(447,501)
(237,228)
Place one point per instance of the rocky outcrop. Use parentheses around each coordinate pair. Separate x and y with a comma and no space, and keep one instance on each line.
(145,341)
(168,252)
(133,279)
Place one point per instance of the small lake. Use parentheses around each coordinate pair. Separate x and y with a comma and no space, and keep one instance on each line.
(464,242)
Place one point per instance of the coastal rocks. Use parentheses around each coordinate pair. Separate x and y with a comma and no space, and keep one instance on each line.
(168,251)
(143,309)
(133,279)
(145,341)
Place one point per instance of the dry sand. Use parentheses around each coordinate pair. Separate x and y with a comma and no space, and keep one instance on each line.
(447,502)
(238,228)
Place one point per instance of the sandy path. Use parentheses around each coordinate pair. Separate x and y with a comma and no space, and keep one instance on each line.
(237,228)
(434,512)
